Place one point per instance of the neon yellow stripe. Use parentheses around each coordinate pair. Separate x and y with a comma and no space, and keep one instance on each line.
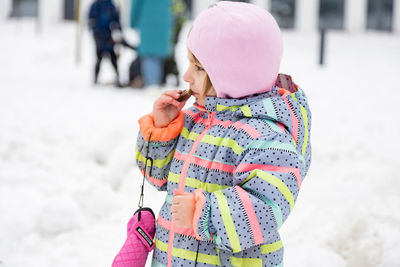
(274,181)
(246,110)
(189,135)
(209,187)
(188,255)
(212,140)
(305,119)
(246,262)
(228,221)
(173,177)
(159,163)
(220,141)
(192,182)
(271,248)
(223,108)
(161,245)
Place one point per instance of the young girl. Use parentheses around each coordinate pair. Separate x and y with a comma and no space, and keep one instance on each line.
(232,164)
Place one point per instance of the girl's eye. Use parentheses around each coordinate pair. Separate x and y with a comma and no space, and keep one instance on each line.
(198,68)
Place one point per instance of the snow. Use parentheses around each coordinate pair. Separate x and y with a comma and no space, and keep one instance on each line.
(68,180)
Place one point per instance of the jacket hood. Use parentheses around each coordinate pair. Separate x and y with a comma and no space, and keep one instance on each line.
(286,104)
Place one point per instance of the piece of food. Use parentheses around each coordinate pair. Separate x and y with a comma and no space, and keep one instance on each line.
(185,94)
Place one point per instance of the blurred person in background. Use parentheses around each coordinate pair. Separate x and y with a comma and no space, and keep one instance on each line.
(103,20)
(154,21)
(179,15)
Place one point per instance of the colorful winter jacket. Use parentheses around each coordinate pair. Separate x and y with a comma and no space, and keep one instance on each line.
(244,160)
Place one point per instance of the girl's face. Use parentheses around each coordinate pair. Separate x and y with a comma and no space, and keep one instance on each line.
(195,75)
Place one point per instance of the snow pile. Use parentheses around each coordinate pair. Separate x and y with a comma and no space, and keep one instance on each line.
(68,182)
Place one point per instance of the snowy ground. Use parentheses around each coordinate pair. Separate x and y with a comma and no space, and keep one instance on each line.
(68,182)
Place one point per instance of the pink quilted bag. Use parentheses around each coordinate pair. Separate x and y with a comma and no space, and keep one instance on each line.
(139,240)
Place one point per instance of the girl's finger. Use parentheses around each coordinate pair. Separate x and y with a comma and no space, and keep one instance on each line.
(171,101)
(175,94)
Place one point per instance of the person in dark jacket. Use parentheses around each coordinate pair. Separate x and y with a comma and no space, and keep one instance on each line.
(103,20)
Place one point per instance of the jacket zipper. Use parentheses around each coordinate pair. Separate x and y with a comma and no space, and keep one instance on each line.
(182,180)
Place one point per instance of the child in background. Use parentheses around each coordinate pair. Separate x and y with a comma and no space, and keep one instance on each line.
(232,164)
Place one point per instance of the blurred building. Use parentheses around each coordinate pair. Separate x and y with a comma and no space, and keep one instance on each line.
(304,15)
(52,11)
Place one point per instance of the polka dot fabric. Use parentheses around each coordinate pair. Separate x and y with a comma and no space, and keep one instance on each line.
(249,156)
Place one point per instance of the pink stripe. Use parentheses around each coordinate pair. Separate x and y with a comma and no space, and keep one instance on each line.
(155,181)
(180,156)
(213,165)
(179,230)
(238,125)
(205,163)
(280,125)
(251,167)
(251,214)
(170,246)
(295,121)
(195,116)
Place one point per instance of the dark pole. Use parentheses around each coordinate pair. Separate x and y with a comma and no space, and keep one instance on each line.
(77,11)
(322,46)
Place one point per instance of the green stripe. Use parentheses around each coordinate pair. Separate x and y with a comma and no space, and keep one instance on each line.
(270,108)
(155,263)
(274,181)
(271,248)
(228,221)
(223,108)
(195,183)
(188,255)
(246,262)
(305,119)
(173,177)
(220,141)
(209,187)
(246,111)
(189,135)
(159,163)
(258,144)
(273,126)
(275,208)
(168,199)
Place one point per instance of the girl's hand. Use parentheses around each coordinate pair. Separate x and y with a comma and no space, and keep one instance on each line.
(183,207)
(166,108)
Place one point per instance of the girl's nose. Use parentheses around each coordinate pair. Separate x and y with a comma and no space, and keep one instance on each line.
(187,77)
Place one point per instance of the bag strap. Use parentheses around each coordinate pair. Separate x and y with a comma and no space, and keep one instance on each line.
(141,198)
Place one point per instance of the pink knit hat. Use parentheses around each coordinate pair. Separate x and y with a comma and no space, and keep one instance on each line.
(239,46)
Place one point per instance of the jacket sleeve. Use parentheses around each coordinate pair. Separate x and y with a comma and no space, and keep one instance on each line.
(155,148)
(115,24)
(267,182)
